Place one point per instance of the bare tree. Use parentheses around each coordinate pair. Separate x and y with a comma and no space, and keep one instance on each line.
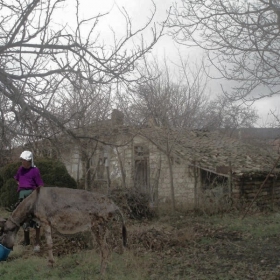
(168,99)
(83,106)
(179,103)
(241,39)
(40,59)
(180,100)
(223,114)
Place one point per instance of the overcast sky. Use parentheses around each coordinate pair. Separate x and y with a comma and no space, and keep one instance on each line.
(139,12)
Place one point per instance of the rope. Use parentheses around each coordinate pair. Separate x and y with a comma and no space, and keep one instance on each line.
(13,221)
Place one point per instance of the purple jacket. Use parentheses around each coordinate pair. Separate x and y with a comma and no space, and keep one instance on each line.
(28,179)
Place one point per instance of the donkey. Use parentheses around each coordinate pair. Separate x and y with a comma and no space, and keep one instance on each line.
(68,211)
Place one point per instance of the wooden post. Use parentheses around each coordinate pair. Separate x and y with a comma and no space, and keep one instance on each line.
(230,180)
(107,164)
(196,204)
(157,178)
(273,190)
(108,177)
(171,183)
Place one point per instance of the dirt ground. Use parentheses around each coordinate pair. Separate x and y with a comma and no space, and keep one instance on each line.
(190,248)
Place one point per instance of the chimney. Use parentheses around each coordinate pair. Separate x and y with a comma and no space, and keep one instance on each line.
(117,117)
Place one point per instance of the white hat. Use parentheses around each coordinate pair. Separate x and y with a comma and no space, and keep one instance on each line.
(27,155)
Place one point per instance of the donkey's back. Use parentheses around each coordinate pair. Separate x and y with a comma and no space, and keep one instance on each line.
(71,210)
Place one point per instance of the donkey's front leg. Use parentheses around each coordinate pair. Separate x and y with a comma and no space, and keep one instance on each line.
(48,235)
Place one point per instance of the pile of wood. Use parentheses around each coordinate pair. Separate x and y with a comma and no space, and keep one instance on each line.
(62,245)
(150,239)
(134,204)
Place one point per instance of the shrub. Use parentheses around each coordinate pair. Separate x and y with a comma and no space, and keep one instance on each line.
(8,193)
(53,173)
(9,171)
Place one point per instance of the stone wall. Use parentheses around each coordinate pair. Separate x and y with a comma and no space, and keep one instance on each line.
(159,175)
(71,159)
(158,171)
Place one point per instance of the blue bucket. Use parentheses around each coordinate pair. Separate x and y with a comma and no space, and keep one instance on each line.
(4,252)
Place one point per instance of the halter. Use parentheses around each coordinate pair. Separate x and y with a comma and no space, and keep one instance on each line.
(13,221)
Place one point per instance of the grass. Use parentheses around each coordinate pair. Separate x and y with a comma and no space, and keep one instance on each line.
(206,247)
(84,265)
(257,225)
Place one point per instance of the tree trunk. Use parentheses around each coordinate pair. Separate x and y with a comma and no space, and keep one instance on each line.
(196,201)
(171,183)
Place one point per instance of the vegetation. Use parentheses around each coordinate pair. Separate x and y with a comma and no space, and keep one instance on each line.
(183,245)
(53,173)
(56,80)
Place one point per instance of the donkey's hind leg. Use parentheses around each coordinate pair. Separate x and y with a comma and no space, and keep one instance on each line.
(48,235)
(100,231)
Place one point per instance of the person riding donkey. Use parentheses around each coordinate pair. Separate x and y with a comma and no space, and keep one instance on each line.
(29,178)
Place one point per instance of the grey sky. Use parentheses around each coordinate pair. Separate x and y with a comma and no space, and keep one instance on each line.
(139,11)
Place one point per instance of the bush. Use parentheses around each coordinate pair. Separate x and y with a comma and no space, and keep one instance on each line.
(9,171)
(8,193)
(53,173)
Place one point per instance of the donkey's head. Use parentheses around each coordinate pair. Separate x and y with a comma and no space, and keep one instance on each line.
(8,232)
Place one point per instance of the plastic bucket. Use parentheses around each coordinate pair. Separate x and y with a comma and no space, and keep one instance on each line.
(4,252)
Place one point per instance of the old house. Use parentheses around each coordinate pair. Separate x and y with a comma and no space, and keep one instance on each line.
(186,167)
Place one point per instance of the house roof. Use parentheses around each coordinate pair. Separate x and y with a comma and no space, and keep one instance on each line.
(258,133)
(215,151)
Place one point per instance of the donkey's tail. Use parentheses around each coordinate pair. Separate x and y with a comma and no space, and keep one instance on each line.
(124,231)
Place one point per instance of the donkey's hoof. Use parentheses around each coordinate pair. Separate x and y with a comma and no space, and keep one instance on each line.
(50,263)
